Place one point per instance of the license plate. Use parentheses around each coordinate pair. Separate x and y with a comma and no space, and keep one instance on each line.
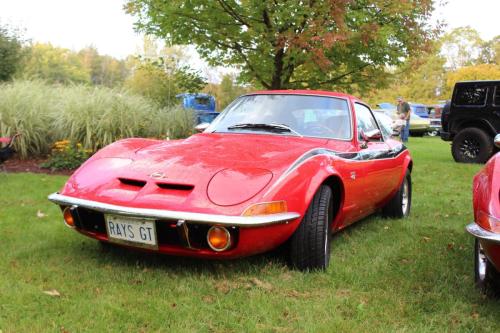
(131,231)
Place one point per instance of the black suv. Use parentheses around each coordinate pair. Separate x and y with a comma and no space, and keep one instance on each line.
(471,120)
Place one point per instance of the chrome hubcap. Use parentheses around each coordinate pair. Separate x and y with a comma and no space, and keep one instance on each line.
(404,199)
(470,148)
(481,264)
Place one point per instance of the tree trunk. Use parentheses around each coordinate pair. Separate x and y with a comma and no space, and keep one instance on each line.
(277,80)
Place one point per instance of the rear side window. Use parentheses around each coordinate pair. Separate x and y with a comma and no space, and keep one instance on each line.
(471,96)
(496,98)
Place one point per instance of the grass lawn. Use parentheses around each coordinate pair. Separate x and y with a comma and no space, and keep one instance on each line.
(385,275)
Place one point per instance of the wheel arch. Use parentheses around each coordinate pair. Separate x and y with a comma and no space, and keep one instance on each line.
(476,123)
(338,191)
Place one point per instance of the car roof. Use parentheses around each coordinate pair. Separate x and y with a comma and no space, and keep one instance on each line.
(304,92)
(485,82)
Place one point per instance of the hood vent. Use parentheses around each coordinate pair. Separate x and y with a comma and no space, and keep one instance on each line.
(177,187)
(132,182)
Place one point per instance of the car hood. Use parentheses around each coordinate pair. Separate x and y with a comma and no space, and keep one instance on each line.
(170,174)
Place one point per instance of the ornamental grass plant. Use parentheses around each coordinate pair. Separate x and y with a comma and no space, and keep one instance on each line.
(92,116)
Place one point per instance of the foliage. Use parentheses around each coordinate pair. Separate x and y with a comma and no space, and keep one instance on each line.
(293,44)
(226,91)
(413,275)
(10,52)
(93,116)
(161,74)
(103,70)
(471,73)
(459,55)
(461,47)
(54,64)
(152,82)
(66,156)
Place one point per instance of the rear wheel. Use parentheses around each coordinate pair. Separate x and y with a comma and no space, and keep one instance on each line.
(310,244)
(487,278)
(400,204)
(472,145)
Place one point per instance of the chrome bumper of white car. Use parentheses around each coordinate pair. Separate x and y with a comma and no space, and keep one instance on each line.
(480,233)
(224,220)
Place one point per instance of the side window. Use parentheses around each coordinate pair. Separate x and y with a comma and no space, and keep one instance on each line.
(496,98)
(365,119)
(471,96)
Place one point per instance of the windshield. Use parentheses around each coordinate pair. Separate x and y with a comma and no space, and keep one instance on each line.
(313,116)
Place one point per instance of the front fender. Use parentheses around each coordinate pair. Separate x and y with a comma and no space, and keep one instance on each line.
(299,184)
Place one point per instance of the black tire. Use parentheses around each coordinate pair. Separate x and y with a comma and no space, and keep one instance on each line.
(399,206)
(310,244)
(472,145)
(486,277)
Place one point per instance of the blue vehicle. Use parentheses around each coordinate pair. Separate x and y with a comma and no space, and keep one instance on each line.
(420,110)
(202,104)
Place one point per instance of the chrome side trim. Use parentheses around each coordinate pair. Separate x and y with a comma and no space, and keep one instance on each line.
(225,220)
(480,233)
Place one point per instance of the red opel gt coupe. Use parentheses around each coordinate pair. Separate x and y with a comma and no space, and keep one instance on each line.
(486,228)
(274,167)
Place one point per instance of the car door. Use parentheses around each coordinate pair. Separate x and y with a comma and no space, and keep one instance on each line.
(377,170)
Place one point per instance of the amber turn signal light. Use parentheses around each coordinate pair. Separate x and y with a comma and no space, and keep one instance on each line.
(218,238)
(488,222)
(68,218)
(266,208)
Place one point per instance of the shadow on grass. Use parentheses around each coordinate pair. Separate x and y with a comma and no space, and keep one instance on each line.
(115,255)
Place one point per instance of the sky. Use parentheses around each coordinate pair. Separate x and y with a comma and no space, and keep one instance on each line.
(75,24)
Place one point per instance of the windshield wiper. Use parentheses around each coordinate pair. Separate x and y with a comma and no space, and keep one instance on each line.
(271,127)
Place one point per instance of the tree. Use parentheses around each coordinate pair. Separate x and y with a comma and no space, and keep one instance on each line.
(162,73)
(10,52)
(104,70)
(54,64)
(490,53)
(472,73)
(461,47)
(226,91)
(297,43)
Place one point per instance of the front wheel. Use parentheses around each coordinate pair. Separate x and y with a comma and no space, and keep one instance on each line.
(472,145)
(433,133)
(310,244)
(399,206)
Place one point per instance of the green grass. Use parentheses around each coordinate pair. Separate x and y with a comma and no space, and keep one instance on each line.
(413,275)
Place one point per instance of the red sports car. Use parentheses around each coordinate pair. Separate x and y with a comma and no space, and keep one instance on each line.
(486,228)
(274,167)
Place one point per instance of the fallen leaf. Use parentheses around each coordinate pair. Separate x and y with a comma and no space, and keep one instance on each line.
(261,284)
(426,239)
(40,215)
(475,315)
(52,292)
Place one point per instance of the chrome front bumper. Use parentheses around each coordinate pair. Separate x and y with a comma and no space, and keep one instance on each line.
(225,220)
(480,233)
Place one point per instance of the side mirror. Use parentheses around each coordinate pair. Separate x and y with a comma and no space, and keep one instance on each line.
(201,127)
(496,140)
(373,135)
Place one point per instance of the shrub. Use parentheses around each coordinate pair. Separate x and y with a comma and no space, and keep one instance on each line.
(66,156)
(93,116)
